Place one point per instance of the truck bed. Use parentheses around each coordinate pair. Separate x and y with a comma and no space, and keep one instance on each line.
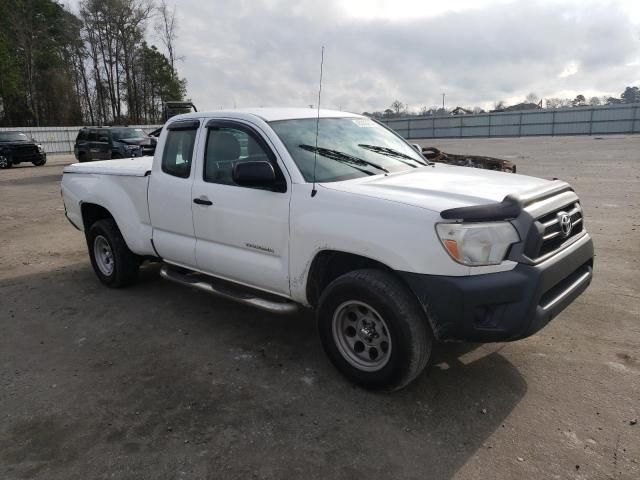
(130,167)
(118,186)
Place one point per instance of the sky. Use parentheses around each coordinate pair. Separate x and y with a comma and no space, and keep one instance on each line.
(246,53)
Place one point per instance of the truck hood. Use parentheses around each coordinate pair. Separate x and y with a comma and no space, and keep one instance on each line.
(131,167)
(441,186)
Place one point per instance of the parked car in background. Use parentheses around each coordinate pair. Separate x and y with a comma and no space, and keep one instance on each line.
(105,143)
(17,147)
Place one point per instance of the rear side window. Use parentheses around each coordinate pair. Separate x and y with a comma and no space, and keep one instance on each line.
(178,151)
(82,136)
(93,136)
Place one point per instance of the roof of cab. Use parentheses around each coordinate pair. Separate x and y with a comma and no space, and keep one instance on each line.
(271,114)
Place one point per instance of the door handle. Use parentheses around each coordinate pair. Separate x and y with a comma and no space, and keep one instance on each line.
(202,201)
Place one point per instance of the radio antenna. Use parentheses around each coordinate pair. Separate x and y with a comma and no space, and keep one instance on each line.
(315,151)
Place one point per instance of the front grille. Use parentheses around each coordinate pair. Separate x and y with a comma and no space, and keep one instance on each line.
(552,236)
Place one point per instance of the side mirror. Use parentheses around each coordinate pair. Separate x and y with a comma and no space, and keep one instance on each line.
(417,147)
(254,174)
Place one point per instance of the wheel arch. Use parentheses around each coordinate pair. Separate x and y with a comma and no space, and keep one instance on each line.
(92,212)
(327,265)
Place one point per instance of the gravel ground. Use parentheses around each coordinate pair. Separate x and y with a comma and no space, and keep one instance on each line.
(161,382)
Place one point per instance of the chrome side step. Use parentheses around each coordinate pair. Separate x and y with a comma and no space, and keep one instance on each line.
(227,290)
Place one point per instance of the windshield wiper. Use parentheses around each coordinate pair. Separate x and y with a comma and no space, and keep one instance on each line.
(339,156)
(390,152)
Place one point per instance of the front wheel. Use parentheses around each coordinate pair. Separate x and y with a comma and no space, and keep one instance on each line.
(41,162)
(115,265)
(373,330)
(5,162)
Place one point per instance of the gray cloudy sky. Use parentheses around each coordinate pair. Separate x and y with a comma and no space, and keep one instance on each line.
(267,52)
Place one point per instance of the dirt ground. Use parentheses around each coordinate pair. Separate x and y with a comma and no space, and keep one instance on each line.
(162,382)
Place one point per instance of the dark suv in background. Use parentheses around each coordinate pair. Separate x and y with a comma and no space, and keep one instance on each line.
(16,147)
(105,143)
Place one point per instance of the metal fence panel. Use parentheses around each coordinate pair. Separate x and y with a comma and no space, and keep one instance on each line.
(536,129)
(621,126)
(446,132)
(447,122)
(421,133)
(572,128)
(419,123)
(504,130)
(475,120)
(614,114)
(480,131)
(576,115)
(504,118)
(60,139)
(537,117)
(566,121)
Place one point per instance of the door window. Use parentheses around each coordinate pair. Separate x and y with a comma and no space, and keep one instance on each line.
(178,150)
(227,146)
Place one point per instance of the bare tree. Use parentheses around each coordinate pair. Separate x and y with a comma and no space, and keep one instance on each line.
(595,101)
(499,105)
(397,106)
(532,98)
(166,29)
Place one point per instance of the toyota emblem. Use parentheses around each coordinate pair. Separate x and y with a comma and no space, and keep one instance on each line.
(564,219)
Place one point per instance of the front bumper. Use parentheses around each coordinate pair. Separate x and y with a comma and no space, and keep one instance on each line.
(504,306)
(24,157)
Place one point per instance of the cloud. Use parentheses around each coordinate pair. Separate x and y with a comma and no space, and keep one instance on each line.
(267,52)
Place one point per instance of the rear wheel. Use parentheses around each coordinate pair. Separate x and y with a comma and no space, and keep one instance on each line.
(5,162)
(114,264)
(373,330)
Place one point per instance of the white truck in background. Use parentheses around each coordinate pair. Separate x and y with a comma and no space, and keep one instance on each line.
(278,209)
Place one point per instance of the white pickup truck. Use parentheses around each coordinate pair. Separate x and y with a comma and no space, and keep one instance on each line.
(282,208)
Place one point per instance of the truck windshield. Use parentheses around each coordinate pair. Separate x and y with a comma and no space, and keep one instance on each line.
(13,137)
(127,133)
(347,148)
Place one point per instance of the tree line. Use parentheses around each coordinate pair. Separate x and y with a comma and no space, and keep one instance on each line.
(59,68)
(532,101)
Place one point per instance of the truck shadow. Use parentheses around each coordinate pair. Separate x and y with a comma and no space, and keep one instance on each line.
(169,376)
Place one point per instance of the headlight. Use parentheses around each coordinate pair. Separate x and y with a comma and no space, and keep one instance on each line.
(40,149)
(477,243)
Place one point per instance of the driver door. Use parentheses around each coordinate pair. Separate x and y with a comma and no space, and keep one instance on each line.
(242,233)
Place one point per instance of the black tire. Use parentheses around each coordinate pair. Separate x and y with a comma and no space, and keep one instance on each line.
(410,335)
(124,262)
(82,157)
(39,163)
(5,162)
